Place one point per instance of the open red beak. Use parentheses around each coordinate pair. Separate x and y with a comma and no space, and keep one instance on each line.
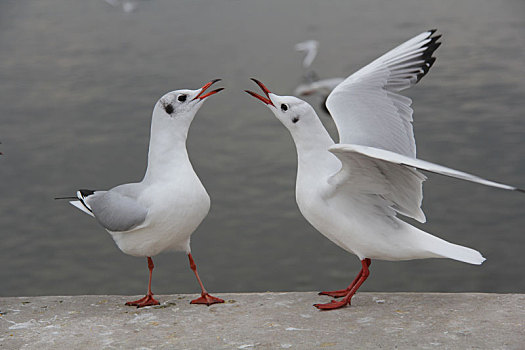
(205,87)
(264,89)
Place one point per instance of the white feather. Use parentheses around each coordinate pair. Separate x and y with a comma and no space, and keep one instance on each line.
(395,183)
(80,206)
(366,106)
(391,160)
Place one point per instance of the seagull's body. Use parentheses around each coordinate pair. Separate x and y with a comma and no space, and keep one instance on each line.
(175,208)
(352,191)
(162,211)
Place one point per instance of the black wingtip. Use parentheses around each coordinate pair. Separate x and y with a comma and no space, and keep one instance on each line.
(57,198)
(85,193)
(429,60)
(519,190)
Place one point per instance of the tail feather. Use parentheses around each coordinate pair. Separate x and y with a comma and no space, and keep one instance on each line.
(443,249)
(460,253)
(81,206)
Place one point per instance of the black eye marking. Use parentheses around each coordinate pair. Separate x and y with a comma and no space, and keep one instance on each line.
(295,119)
(284,107)
(168,108)
(182,98)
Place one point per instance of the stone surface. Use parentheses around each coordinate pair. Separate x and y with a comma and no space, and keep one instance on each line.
(266,321)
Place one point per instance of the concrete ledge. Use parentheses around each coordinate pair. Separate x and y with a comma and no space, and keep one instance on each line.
(266,321)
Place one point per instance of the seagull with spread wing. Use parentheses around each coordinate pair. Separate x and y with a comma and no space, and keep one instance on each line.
(352,191)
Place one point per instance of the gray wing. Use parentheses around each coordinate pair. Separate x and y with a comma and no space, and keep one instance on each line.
(116,211)
(367,108)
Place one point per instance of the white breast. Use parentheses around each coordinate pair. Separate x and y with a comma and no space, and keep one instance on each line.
(176,209)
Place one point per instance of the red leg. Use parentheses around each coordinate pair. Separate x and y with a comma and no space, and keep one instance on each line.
(361,277)
(205,298)
(148,300)
(342,292)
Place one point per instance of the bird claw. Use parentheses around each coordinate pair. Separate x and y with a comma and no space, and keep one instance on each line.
(148,300)
(207,299)
(336,293)
(332,305)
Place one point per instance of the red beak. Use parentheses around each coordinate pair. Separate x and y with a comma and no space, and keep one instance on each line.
(205,87)
(264,89)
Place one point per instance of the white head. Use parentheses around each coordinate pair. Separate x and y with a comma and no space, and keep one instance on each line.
(175,111)
(172,117)
(295,114)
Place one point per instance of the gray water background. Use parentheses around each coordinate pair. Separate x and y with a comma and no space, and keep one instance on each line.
(78,80)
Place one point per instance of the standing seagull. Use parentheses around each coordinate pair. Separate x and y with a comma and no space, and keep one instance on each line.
(162,211)
(352,191)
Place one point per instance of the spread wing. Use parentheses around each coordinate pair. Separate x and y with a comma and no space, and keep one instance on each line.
(392,177)
(377,148)
(366,106)
(369,111)
(396,186)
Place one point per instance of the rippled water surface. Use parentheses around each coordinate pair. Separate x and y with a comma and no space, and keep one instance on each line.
(78,80)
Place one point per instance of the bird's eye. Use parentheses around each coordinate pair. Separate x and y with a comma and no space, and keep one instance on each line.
(168,108)
(284,107)
(182,98)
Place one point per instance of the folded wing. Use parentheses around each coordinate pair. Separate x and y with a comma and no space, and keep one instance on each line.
(116,212)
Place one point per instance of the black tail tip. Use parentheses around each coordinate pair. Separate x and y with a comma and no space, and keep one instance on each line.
(58,198)
(86,193)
